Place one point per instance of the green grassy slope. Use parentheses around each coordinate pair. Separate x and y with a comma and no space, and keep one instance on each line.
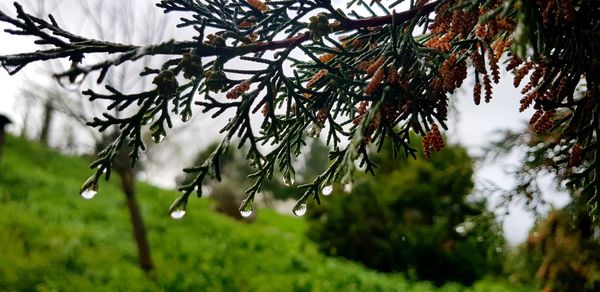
(51,239)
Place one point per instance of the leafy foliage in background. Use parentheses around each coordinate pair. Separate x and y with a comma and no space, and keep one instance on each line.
(413,217)
(561,253)
(51,240)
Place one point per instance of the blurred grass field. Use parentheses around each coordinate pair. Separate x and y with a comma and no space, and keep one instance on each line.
(53,240)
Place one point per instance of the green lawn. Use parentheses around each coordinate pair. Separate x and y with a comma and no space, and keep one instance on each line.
(53,240)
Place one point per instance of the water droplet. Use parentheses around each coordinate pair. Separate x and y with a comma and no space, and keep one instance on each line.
(314,131)
(348,187)
(11,69)
(288,180)
(326,191)
(256,162)
(88,194)
(71,83)
(246,208)
(246,213)
(177,214)
(158,137)
(147,119)
(89,189)
(299,209)
(186,116)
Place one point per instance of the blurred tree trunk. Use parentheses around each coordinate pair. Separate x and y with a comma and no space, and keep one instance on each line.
(139,229)
(46,122)
(3,122)
(127,173)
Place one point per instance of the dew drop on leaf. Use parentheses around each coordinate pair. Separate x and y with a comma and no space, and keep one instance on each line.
(177,214)
(88,194)
(314,131)
(246,209)
(299,209)
(158,137)
(348,187)
(288,180)
(186,116)
(71,83)
(89,189)
(326,190)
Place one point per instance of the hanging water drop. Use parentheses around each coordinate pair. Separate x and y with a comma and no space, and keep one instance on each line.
(88,194)
(299,209)
(348,187)
(89,189)
(288,180)
(314,131)
(246,207)
(72,82)
(255,161)
(178,214)
(147,119)
(246,213)
(186,116)
(11,69)
(326,190)
(158,137)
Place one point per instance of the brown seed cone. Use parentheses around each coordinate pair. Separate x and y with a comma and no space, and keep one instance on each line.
(527,100)
(392,77)
(258,5)
(322,73)
(487,85)
(326,57)
(575,157)
(375,82)
(238,90)
(477,93)
(520,74)
(535,117)
(545,122)
(375,66)
(494,67)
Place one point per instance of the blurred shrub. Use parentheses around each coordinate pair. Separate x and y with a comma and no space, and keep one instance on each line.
(415,216)
(562,253)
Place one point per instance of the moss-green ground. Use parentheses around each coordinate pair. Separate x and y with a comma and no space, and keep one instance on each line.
(53,240)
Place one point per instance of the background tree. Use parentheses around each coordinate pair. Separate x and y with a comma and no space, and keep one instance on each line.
(387,74)
(560,253)
(4,122)
(415,217)
(65,107)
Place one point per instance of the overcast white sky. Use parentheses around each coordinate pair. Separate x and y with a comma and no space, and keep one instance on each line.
(472,127)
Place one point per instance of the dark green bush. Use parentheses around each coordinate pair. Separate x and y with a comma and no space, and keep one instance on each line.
(415,216)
